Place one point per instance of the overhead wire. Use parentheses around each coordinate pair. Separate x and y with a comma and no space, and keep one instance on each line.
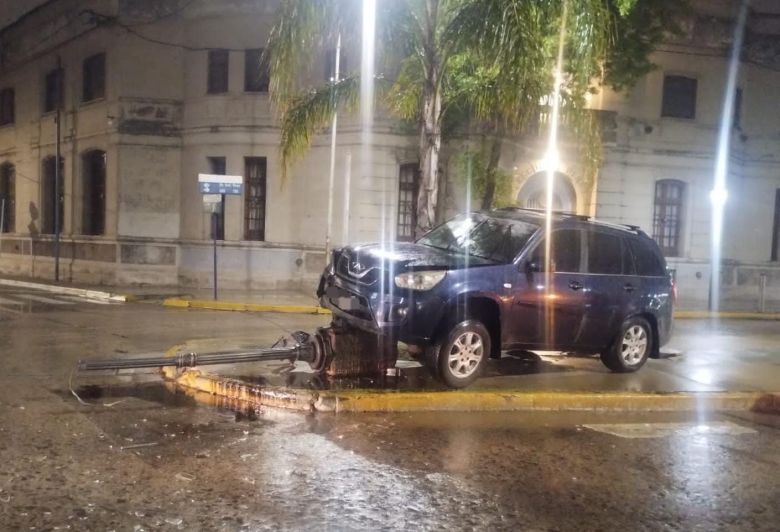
(110,20)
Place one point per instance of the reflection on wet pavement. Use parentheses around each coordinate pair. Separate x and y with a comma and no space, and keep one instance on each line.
(148,456)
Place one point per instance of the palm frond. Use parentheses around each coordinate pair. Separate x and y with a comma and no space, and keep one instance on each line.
(307,114)
(404,96)
(303,27)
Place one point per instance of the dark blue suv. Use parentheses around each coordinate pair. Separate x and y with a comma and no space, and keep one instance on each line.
(491,281)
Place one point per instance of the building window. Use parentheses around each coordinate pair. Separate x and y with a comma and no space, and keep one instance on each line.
(218,71)
(679,99)
(667,217)
(254,198)
(93,193)
(256,73)
(7,110)
(94,78)
(408,183)
(7,198)
(54,90)
(330,65)
(776,229)
(218,166)
(48,197)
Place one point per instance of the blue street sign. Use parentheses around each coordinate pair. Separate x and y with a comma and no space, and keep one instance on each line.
(209,187)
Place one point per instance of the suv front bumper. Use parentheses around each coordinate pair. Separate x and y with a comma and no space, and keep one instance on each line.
(410,317)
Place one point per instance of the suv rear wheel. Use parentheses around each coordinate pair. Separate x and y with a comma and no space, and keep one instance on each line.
(631,347)
(461,357)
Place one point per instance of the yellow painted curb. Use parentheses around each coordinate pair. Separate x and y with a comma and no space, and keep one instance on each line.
(461,401)
(705,314)
(243,307)
(507,400)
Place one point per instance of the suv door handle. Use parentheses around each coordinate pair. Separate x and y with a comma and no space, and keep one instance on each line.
(628,287)
(575,285)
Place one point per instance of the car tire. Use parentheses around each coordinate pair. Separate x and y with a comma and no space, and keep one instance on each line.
(461,357)
(631,347)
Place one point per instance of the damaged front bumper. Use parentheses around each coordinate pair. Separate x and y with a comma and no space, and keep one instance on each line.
(410,317)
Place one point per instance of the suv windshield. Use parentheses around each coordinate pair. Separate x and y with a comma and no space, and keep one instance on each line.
(494,239)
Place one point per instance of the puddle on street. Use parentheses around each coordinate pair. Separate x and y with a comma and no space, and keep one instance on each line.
(156,392)
(108,390)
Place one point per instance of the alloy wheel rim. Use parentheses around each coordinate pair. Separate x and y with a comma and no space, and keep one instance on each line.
(465,354)
(634,345)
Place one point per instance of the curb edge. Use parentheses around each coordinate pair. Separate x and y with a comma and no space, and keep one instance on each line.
(467,401)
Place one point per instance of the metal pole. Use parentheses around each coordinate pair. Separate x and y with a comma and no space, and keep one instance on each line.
(214,235)
(316,349)
(762,293)
(57,177)
(329,229)
(347,191)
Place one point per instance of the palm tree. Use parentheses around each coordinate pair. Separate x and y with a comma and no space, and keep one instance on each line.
(489,60)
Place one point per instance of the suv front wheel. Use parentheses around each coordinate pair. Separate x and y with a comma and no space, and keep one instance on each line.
(631,347)
(461,357)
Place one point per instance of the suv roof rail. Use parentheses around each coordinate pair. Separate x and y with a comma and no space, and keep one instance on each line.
(543,211)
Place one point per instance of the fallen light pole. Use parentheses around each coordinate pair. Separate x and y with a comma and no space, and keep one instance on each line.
(337,350)
(314,349)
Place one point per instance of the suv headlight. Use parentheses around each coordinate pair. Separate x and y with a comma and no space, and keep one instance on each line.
(419,280)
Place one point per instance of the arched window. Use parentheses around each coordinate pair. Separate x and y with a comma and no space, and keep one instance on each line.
(48,197)
(93,192)
(7,198)
(667,216)
(533,194)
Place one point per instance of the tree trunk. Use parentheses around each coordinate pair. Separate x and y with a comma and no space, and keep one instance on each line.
(491,173)
(430,123)
(430,144)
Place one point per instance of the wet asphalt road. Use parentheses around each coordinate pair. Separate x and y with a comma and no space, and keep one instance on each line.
(145,457)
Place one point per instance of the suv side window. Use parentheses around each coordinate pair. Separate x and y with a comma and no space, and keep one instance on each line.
(605,253)
(566,251)
(647,261)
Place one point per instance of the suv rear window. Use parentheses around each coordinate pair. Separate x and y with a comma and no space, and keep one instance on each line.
(609,254)
(647,260)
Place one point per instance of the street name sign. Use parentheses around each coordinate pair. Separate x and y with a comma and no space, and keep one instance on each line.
(220,184)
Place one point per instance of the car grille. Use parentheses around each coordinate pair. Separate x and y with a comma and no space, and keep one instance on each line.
(353,271)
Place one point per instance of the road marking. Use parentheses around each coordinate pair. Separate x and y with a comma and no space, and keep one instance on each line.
(42,299)
(78,299)
(662,430)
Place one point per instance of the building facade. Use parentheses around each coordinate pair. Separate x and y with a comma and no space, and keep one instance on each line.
(150,94)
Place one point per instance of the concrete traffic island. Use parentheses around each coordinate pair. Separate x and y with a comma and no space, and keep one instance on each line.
(547,383)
